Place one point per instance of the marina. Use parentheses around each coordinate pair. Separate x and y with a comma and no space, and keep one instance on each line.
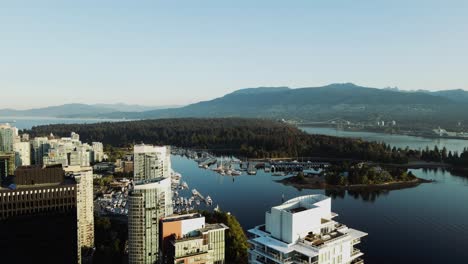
(366,210)
(113,201)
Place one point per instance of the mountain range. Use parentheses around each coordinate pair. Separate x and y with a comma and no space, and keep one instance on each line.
(346,101)
(80,110)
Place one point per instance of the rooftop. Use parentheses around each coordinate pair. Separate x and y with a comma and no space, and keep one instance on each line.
(297,209)
(210,227)
(173,218)
(142,148)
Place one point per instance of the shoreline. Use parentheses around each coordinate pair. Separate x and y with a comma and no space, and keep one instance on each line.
(357,187)
(411,134)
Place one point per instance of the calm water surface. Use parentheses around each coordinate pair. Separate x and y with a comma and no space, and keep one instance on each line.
(399,141)
(29,122)
(426,224)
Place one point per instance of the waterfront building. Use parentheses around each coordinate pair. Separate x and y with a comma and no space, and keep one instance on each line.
(7,137)
(150,199)
(302,230)
(151,162)
(188,239)
(22,153)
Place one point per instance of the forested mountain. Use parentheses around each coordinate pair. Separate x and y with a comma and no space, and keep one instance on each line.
(346,101)
(422,109)
(458,95)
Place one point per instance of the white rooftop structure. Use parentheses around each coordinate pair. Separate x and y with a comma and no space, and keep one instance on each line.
(301,230)
(298,216)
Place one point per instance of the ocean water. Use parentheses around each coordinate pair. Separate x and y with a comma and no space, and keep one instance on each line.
(424,224)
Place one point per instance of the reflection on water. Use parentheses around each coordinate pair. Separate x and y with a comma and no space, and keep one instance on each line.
(364,195)
(414,225)
(399,141)
(29,122)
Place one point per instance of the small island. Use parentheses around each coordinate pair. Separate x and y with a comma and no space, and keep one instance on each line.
(358,176)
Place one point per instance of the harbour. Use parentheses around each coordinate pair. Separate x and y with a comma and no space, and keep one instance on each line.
(364,210)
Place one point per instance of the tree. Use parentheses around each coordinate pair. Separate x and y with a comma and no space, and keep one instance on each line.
(236,240)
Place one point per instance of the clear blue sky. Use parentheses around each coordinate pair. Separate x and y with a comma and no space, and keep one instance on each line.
(178,52)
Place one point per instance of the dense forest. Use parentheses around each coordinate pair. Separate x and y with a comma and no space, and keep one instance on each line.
(442,155)
(236,239)
(252,138)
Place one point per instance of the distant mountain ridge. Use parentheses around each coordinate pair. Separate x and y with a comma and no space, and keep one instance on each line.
(345,101)
(79,110)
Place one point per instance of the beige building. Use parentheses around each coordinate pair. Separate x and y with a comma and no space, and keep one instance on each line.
(188,239)
(85,207)
(22,153)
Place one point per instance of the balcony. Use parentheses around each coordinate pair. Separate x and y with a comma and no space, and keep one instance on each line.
(358,261)
(356,241)
(356,252)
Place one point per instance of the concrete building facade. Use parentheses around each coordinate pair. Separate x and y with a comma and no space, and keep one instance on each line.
(150,199)
(151,162)
(83,177)
(22,153)
(302,230)
(7,137)
(188,239)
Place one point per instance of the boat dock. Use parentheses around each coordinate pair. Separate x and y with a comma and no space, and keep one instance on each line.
(297,166)
(205,163)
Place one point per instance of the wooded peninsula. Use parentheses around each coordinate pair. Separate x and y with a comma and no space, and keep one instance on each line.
(246,137)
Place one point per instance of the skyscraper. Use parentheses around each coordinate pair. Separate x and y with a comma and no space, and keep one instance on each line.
(22,153)
(7,137)
(149,200)
(40,147)
(84,207)
(151,162)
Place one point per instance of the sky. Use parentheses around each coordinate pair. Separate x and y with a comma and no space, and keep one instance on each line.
(181,52)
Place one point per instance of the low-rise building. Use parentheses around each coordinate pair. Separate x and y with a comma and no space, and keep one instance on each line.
(302,230)
(188,239)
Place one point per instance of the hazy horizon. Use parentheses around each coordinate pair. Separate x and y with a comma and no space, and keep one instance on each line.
(166,53)
(207,99)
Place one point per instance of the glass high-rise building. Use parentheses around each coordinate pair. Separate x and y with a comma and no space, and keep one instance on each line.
(7,137)
(149,200)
